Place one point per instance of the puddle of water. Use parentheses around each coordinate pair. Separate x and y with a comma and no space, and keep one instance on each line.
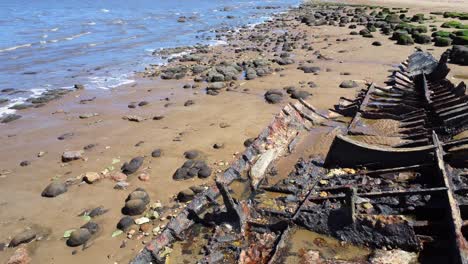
(303,240)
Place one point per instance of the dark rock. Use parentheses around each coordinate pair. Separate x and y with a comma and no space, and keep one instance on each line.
(191,154)
(89,146)
(79,87)
(9,118)
(218,145)
(66,136)
(300,94)
(156,153)
(376,43)
(78,237)
(68,156)
(21,106)
(100,210)
(132,105)
(132,166)
(125,223)
(24,237)
(158,117)
(249,142)
(273,96)
(348,84)
(92,227)
(459,55)
(185,195)
(54,189)
(140,194)
(422,39)
(442,42)
(143,103)
(189,103)
(309,69)
(191,169)
(25,163)
(134,207)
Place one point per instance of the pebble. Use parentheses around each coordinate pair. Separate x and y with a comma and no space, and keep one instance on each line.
(25,163)
(132,166)
(224,125)
(91,177)
(218,145)
(122,185)
(41,154)
(348,84)
(144,177)
(156,153)
(133,118)
(72,155)
(142,220)
(191,154)
(134,207)
(125,223)
(118,176)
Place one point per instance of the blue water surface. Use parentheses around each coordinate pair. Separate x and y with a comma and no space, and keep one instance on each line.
(47,44)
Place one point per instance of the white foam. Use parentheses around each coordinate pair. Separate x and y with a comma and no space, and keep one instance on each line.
(105,10)
(54,29)
(77,36)
(16,47)
(106,83)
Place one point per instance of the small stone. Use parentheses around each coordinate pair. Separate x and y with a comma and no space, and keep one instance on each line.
(25,163)
(156,153)
(78,237)
(144,177)
(121,185)
(185,195)
(189,103)
(134,118)
(348,84)
(72,155)
(79,87)
(224,125)
(143,103)
(218,145)
(376,43)
(41,154)
(146,227)
(142,220)
(273,96)
(158,117)
(125,223)
(367,206)
(24,237)
(191,154)
(66,136)
(54,189)
(91,177)
(118,176)
(92,227)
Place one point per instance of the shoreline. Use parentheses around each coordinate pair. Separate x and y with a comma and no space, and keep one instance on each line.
(182,128)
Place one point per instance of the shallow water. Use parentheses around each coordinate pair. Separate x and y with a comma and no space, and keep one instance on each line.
(50,44)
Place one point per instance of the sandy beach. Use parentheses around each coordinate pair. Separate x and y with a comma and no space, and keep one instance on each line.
(175,119)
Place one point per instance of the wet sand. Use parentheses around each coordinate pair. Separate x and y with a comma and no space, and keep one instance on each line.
(182,128)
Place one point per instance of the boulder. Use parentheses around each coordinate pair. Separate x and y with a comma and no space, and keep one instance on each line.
(134,207)
(459,55)
(348,84)
(273,96)
(9,118)
(125,223)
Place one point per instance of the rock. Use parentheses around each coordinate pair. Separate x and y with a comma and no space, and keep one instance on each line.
(146,227)
(218,145)
(88,115)
(79,87)
(396,256)
(273,96)
(91,177)
(224,125)
(442,42)
(24,237)
(144,177)
(191,154)
(158,117)
(92,227)
(139,193)
(309,69)
(216,86)
(189,103)
(66,136)
(9,118)
(249,142)
(121,185)
(100,210)
(54,189)
(78,237)
(376,43)
(25,163)
(405,39)
(143,103)
(191,169)
(300,94)
(132,166)
(348,84)
(118,176)
(72,155)
(185,195)
(125,223)
(459,55)
(156,153)
(142,220)
(133,118)
(134,207)
(89,146)
(20,256)
(422,39)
